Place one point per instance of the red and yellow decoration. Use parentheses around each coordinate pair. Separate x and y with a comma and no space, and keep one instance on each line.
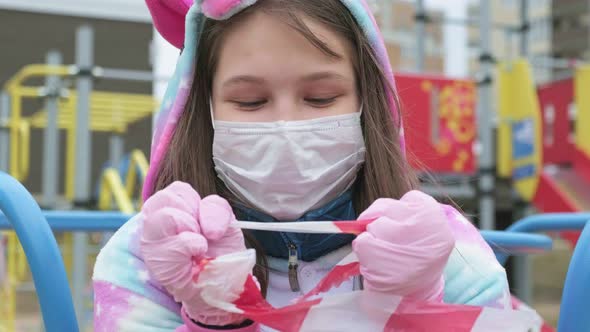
(439,121)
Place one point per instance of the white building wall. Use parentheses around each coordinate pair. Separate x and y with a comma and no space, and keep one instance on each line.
(123,10)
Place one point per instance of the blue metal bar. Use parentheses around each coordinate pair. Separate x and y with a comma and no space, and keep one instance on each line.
(42,252)
(83,221)
(517,243)
(549,222)
(97,221)
(576,293)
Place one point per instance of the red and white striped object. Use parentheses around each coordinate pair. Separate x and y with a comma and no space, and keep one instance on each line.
(354,311)
(310,227)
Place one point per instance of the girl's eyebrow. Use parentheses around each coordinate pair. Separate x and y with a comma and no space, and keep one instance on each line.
(324,75)
(317,76)
(243,79)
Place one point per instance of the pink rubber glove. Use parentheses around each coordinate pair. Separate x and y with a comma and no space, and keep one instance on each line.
(405,250)
(179,231)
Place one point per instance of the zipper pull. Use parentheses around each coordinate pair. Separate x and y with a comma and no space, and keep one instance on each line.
(293,265)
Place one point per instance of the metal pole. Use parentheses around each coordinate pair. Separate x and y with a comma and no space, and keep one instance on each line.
(524,27)
(485,123)
(4,131)
(522,276)
(51,139)
(126,74)
(116,150)
(522,264)
(420,35)
(84,61)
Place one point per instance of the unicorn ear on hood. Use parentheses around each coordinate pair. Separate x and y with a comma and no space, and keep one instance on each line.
(169,15)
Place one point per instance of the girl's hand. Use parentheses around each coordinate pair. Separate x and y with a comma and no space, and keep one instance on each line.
(179,231)
(405,250)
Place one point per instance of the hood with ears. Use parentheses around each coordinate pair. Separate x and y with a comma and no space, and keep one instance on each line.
(180,22)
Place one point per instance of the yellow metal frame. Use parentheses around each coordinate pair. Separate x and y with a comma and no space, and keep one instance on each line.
(19,161)
(106,115)
(19,135)
(8,289)
(113,189)
(137,161)
(582,90)
(18,260)
(7,307)
(38,70)
(109,112)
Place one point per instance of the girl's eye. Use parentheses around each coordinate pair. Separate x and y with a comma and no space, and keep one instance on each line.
(320,102)
(250,105)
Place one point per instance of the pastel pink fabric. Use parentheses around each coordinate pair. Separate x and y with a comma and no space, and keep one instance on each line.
(179,231)
(404,251)
(169,15)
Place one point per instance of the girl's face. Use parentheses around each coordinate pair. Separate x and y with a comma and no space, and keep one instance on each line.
(267,71)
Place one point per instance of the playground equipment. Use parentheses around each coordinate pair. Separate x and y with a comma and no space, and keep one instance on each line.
(544,143)
(114,190)
(79,112)
(33,228)
(109,112)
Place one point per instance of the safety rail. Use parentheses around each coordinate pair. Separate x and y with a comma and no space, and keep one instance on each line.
(20,158)
(109,111)
(18,142)
(549,222)
(40,248)
(20,161)
(38,70)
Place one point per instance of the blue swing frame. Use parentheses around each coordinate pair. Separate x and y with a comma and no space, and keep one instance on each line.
(34,230)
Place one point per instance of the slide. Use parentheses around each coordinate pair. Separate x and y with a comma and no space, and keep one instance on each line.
(564,184)
(562,190)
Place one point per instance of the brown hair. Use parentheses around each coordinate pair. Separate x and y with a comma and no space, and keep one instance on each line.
(385,173)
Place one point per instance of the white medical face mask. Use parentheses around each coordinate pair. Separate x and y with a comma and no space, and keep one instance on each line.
(287,168)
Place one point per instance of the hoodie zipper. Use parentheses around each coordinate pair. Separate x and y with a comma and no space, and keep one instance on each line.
(293,265)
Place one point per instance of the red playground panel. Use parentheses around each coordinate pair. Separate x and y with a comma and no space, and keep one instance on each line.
(565,187)
(439,122)
(556,99)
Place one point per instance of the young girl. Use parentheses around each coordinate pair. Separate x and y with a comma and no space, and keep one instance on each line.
(281,110)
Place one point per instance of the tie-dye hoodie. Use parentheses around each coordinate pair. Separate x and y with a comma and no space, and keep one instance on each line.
(128,299)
